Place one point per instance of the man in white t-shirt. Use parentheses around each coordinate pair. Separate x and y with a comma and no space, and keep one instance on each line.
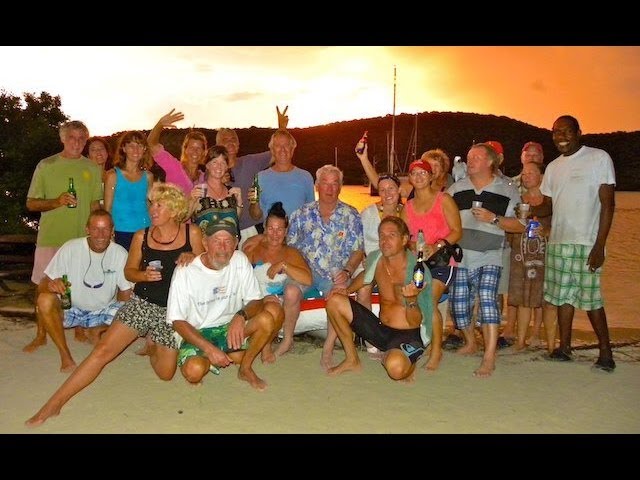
(580,185)
(94,266)
(215,305)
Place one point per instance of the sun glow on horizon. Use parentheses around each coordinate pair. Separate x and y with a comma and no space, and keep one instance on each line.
(121,88)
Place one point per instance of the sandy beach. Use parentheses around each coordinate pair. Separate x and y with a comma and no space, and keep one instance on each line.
(526,394)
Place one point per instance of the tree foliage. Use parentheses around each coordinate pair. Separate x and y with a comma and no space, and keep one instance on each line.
(28,133)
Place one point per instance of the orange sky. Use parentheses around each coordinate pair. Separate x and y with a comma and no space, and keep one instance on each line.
(121,88)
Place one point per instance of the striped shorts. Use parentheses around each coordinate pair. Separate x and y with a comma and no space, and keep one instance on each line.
(567,279)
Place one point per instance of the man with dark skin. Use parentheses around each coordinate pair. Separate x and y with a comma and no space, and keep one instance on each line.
(579,185)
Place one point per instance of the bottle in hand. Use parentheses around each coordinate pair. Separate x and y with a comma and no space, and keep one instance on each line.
(256,188)
(420,242)
(72,191)
(65,299)
(362,143)
(418,271)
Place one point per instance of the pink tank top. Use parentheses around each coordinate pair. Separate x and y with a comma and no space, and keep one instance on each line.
(433,223)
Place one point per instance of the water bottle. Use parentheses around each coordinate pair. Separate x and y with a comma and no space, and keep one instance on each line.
(72,191)
(531,227)
(362,143)
(420,243)
(65,299)
(418,271)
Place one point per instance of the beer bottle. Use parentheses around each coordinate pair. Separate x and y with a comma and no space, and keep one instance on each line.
(65,299)
(256,188)
(362,143)
(420,243)
(418,271)
(72,191)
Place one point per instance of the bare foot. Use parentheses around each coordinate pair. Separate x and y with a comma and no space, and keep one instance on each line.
(147,348)
(434,361)
(486,368)
(467,350)
(534,342)
(267,355)
(35,344)
(518,347)
(250,376)
(345,366)
(326,360)
(378,355)
(410,379)
(80,335)
(94,334)
(68,367)
(41,417)
(284,347)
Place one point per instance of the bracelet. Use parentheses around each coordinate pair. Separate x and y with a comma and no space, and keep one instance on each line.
(243,314)
(348,271)
(412,304)
(241,206)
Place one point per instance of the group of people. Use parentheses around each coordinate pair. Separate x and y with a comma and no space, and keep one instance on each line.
(178,275)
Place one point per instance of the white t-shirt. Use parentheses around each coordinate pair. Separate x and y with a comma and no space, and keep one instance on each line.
(573,183)
(83,265)
(210,298)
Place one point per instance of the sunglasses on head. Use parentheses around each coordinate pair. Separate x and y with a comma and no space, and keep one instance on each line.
(388,176)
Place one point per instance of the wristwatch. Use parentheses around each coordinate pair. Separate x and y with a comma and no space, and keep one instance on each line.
(496,220)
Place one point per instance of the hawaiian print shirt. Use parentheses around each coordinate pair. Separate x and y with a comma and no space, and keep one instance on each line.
(326,245)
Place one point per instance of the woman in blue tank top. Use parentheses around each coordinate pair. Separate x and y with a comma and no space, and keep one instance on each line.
(126,187)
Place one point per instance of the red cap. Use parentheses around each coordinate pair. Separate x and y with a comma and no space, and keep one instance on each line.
(535,145)
(497,146)
(423,164)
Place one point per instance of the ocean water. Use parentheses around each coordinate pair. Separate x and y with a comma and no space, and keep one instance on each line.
(621,271)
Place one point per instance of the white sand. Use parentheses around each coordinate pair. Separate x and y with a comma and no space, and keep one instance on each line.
(526,394)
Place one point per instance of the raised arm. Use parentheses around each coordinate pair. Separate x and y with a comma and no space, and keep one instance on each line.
(166,121)
(372,175)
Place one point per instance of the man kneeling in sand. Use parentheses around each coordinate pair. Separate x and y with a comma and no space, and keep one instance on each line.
(94,266)
(404,325)
(215,306)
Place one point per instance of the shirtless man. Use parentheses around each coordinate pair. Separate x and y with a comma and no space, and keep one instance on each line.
(404,309)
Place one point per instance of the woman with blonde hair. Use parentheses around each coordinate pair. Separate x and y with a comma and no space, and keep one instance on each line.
(189,170)
(169,241)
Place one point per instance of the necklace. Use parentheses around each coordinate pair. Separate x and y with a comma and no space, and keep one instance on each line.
(164,243)
(381,210)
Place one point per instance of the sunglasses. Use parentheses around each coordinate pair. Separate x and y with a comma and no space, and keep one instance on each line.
(84,278)
(388,176)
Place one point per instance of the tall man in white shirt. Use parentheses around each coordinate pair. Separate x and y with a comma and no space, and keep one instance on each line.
(580,185)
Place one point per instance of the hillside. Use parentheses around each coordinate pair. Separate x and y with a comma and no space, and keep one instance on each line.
(453,132)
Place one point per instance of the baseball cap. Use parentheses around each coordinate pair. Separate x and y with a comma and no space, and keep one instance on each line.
(420,164)
(228,224)
(534,145)
(497,146)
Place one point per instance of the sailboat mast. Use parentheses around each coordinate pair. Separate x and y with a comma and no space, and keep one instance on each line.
(392,151)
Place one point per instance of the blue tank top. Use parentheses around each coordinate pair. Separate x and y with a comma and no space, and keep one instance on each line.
(129,209)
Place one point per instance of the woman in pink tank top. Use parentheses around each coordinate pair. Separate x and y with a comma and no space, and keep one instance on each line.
(437,215)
